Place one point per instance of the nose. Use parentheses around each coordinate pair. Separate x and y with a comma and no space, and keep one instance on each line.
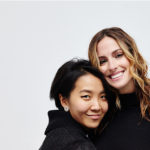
(95,106)
(112,64)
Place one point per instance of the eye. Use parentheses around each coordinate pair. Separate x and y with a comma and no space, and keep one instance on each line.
(86,97)
(102,61)
(103,97)
(119,55)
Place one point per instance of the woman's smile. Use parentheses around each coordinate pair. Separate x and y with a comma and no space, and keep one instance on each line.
(116,76)
(114,65)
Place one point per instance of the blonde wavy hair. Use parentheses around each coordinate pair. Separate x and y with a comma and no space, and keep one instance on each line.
(138,66)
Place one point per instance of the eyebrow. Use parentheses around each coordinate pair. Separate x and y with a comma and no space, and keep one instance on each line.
(112,52)
(88,91)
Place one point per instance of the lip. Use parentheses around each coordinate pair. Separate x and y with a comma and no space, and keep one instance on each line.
(114,76)
(94,116)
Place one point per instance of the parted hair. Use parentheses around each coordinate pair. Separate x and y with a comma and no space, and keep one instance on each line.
(138,66)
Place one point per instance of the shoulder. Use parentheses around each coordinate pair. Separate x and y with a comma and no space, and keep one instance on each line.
(62,139)
(56,139)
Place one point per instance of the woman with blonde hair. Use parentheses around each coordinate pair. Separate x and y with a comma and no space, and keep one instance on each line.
(116,55)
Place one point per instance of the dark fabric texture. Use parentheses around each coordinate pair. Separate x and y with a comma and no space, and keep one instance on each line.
(127,131)
(64,133)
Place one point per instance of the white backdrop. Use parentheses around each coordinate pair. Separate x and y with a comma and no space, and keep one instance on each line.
(35,39)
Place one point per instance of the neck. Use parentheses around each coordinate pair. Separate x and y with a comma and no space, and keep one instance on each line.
(130,88)
(126,91)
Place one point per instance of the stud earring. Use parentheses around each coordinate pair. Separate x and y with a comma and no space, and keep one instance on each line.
(66,109)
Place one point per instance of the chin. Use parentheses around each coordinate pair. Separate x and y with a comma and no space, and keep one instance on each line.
(92,126)
(117,86)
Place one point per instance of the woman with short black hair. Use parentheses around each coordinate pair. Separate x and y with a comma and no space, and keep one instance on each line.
(82,96)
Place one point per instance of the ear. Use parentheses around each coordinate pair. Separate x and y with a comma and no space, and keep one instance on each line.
(63,101)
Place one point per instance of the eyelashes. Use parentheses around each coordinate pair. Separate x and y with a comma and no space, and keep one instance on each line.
(119,55)
(88,97)
(104,60)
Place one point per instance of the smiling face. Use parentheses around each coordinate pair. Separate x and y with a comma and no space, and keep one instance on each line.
(114,65)
(87,102)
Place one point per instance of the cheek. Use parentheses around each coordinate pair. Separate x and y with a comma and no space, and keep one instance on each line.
(79,107)
(125,62)
(102,69)
(104,106)
(128,65)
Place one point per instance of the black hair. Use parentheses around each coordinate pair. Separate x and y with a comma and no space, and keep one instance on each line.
(66,77)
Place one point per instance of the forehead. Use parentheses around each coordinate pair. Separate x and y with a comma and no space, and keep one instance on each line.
(107,45)
(88,81)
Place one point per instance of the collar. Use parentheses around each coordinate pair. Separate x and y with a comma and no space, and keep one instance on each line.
(62,119)
(129,100)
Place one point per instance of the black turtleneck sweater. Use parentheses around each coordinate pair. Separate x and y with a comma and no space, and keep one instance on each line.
(64,133)
(127,131)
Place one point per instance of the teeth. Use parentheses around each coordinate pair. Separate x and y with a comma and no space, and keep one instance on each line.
(117,75)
